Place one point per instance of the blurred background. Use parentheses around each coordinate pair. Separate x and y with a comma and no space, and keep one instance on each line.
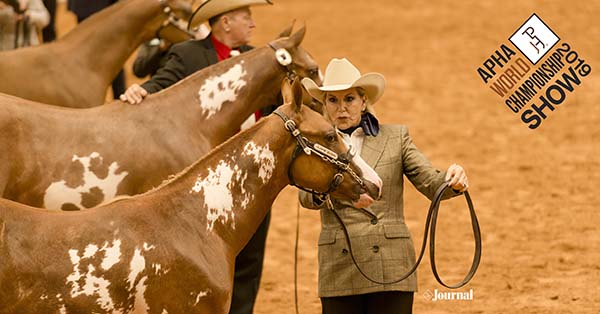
(534,190)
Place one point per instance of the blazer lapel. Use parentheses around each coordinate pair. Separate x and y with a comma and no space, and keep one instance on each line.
(210,53)
(373,148)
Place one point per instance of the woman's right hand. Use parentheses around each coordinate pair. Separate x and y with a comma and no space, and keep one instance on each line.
(364,201)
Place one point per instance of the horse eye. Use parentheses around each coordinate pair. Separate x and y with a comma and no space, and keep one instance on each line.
(330,138)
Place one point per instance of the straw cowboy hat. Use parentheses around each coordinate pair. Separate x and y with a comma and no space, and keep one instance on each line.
(212,8)
(340,75)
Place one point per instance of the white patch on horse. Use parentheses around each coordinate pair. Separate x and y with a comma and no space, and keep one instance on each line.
(90,250)
(58,193)
(241,177)
(164,311)
(140,305)
(264,157)
(112,254)
(217,194)
(157,268)
(62,309)
(92,285)
(44,297)
(137,265)
(218,89)
(200,295)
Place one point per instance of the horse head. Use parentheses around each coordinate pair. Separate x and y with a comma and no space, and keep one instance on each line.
(296,60)
(321,161)
(174,28)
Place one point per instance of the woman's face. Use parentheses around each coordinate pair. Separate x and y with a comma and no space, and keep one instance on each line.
(344,108)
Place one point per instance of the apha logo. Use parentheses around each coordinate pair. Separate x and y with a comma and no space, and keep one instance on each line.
(532,90)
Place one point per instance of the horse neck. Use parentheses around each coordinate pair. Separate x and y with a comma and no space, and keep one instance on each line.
(105,40)
(230,190)
(239,87)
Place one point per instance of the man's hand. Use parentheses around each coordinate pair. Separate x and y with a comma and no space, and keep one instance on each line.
(134,94)
(457,178)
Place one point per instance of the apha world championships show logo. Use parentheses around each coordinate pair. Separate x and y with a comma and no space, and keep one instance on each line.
(527,88)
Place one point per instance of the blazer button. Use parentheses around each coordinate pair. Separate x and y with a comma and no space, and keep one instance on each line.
(344,251)
(375,248)
(374,221)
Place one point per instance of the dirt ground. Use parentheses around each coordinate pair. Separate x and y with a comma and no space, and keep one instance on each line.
(534,190)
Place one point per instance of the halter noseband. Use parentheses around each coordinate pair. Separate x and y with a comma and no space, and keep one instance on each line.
(342,163)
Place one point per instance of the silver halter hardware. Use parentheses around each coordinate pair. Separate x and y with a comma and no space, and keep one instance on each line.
(308,147)
(283,57)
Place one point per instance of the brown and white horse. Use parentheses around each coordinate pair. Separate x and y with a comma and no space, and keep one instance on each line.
(63,158)
(170,250)
(76,70)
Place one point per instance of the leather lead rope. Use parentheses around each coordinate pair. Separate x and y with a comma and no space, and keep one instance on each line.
(430,227)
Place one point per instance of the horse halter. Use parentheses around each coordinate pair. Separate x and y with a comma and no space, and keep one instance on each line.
(284,58)
(342,163)
(172,20)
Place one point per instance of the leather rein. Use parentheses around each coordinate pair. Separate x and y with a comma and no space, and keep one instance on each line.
(430,228)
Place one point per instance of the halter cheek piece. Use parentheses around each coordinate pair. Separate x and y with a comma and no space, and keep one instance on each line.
(172,20)
(284,58)
(342,163)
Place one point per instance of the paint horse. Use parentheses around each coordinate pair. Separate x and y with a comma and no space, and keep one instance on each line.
(76,70)
(172,250)
(62,158)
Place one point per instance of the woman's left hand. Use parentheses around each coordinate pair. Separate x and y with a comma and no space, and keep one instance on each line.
(457,178)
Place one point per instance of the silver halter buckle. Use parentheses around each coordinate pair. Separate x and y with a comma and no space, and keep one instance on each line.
(325,151)
(283,57)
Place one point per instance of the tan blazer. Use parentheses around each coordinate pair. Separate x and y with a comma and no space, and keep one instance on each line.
(383,247)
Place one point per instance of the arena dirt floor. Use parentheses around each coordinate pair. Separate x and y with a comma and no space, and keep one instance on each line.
(534,190)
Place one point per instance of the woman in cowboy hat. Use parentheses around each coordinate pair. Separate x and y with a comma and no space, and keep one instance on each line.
(381,240)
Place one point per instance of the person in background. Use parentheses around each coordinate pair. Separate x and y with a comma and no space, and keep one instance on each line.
(152,55)
(231,26)
(84,9)
(49,32)
(380,238)
(20,23)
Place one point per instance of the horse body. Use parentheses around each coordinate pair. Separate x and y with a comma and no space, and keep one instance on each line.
(75,71)
(61,158)
(171,250)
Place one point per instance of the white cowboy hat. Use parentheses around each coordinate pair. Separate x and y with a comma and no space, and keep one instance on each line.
(341,75)
(212,8)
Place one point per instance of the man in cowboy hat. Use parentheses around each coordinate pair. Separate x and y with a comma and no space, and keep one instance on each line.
(231,26)
(231,29)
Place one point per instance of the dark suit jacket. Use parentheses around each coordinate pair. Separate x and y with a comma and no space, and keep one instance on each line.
(184,59)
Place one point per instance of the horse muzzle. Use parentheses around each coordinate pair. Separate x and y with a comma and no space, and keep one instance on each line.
(372,189)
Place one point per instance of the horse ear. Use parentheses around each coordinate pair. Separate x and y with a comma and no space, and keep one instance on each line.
(286,91)
(298,95)
(297,37)
(288,30)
